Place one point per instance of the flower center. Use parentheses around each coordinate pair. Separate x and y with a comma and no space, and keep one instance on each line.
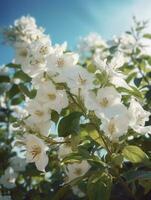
(39,113)
(43,50)
(78,171)
(140,119)
(23,53)
(36,150)
(36,62)
(60,62)
(104,102)
(51,96)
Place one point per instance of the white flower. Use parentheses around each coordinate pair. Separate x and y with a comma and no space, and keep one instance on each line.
(77,169)
(100,54)
(52,98)
(23,30)
(117,61)
(32,55)
(57,62)
(138,117)
(38,111)
(111,69)
(41,47)
(9,178)
(145,46)
(35,56)
(21,54)
(34,65)
(116,126)
(117,79)
(18,163)
(59,49)
(25,22)
(90,42)
(42,127)
(105,98)
(127,43)
(64,150)
(37,80)
(79,80)
(36,151)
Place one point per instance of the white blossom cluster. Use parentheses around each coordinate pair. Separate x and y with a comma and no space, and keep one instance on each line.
(92,42)
(49,66)
(24,30)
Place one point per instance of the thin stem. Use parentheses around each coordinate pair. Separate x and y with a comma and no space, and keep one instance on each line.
(105,143)
(73,99)
(53,142)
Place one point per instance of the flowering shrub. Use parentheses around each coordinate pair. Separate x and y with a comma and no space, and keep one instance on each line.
(81,119)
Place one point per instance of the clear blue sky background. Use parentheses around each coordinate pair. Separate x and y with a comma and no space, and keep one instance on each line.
(67,20)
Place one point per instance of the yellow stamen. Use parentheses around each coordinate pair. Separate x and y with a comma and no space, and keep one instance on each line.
(60,62)
(78,171)
(52,96)
(36,150)
(111,127)
(104,102)
(39,113)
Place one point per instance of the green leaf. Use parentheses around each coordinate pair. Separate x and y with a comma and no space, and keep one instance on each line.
(17,100)
(137,51)
(72,158)
(117,159)
(131,76)
(134,154)
(149,60)
(148,36)
(135,175)
(102,77)
(21,75)
(54,116)
(91,68)
(14,90)
(24,89)
(69,124)
(99,186)
(93,133)
(128,32)
(4,79)
(12,65)
(113,49)
(75,140)
(134,91)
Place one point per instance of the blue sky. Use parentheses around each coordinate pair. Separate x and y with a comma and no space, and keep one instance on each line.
(67,20)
